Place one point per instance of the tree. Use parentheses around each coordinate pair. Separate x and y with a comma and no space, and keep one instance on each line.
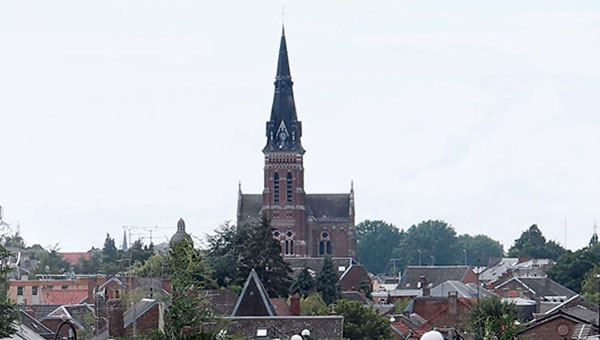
(110,255)
(225,250)
(138,253)
(51,262)
(304,284)
(571,267)
(590,288)
(376,241)
(430,242)
(190,274)
(362,322)
(327,282)
(91,266)
(8,313)
(15,241)
(156,266)
(313,305)
(263,253)
(492,318)
(533,244)
(479,249)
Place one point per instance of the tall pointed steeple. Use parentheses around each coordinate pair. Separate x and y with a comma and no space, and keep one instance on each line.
(283,129)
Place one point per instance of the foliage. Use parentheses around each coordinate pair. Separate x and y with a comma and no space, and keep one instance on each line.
(304,284)
(14,241)
(362,322)
(91,266)
(110,255)
(430,242)
(590,287)
(156,266)
(263,253)
(225,249)
(132,296)
(480,249)
(51,261)
(313,305)
(190,274)
(571,267)
(8,312)
(376,240)
(492,318)
(327,282)
(533,244)
(401,304)
(138,253)
(593,240)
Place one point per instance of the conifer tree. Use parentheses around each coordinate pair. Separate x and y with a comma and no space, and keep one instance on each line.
(327,282)
(8,312)
(304,284)
(263,253)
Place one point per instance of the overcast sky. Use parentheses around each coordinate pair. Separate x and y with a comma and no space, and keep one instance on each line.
(138,113)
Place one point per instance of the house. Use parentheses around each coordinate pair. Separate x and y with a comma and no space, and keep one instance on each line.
(442,312)
(546,292)
(145,316)
(435,275)
(570,323)
(256,316)
(464,290)
(82,316)
(73,258)
(503,269)
(31,329)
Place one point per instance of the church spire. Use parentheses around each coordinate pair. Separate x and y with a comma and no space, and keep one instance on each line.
(283,129)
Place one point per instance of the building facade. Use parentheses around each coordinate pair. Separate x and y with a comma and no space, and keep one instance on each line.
(307,225)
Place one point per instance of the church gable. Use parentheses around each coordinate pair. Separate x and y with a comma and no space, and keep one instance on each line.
(254,300)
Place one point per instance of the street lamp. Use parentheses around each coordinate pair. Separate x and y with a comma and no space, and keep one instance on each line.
(296,337)
(305,333)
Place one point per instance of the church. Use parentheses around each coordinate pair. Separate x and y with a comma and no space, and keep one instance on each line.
(307,225)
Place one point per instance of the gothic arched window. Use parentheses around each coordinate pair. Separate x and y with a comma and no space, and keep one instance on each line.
(289,187)
(276,188)
(328,247)
(321,248)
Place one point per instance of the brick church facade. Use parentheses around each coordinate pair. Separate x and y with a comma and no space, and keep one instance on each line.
(307,225)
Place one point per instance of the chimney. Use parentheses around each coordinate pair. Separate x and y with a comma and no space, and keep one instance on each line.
(423,285)
(91,288)
(115,318)
(452,301)
(295,304)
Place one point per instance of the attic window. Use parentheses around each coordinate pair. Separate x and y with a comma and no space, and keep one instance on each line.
(261,332)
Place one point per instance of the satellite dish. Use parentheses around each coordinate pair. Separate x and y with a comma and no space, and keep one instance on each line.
(432,335)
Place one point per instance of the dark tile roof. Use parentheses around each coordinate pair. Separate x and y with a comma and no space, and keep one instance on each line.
(141,307)
(254,300)
(542,286)
(316,263)
(39,311)
(222,300)
(249,209)
(281,306)
(576,300)
(328,206)
(435,275)
(33,324)
(78,314)
(464,290)
(353,295)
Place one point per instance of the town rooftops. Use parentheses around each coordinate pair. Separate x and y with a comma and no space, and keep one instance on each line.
(435,275)
(464,290)
(542,287)
(254,300)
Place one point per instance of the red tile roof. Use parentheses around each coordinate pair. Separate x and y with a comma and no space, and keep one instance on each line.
(281,307)
(63,296)
(74,258)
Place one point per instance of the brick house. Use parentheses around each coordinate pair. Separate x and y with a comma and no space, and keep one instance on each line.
(147,315)
(307,225)
(571,323)
(442,312)
(544,291)
(435,275)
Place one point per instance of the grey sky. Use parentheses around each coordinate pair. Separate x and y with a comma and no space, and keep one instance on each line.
(140,112)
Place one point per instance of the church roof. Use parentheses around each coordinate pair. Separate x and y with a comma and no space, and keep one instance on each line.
(323,207)
(283,129)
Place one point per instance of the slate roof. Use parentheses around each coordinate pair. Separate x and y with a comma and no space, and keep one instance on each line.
(141,307)
(435,275)
(254,300)
(249,207)
(341,264)
(576,300)
(323,327)
(76,313)
(464,290)
(222,300)
(542,287)
(33,324)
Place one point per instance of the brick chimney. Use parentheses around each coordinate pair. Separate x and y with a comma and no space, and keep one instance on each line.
(424,287)
(91,288)
(452,302)
(115,318)
(295,304)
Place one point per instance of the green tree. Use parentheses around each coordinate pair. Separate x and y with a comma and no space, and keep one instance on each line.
(138,253)
(110,256)
(15,241)
(304,284)
(313,305)
(571,267)
(533,244)
(263,253)
(8,312)
(327,282)
(375,243)
(225,250)
(430,242)
(590,288)
(479,249)
(492,318)
(362,322)
(156,266)
(91,266)
(190,274)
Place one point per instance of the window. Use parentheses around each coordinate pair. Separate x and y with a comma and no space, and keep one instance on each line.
(34,290)
(64,287)
(328,247)
(289,187)
(261,332)
(276,188)
(321,248)
(20,291)
(289,242)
